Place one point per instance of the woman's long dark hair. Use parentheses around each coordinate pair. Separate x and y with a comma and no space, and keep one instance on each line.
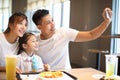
(17,17)
(23,40)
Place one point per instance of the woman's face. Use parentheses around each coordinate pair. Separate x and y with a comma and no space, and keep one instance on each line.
(18,29)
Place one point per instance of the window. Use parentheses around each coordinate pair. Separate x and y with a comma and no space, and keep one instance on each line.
(115,42)
(59,10)
(66,12)
(5,11)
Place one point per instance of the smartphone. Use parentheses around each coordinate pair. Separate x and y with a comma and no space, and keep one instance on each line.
(107,15)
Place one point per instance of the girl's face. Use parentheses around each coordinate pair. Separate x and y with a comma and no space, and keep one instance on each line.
(31,45)
(19,28)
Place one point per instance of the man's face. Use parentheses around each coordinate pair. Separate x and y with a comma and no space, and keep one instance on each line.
(47,26)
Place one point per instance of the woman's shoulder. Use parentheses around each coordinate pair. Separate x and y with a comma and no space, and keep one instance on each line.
(2,37)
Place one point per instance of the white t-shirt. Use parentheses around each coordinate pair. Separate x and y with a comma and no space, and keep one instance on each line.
(54,51)
(6,48)
(25,62)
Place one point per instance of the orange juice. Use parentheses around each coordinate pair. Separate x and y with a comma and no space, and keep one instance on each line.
(11,67)
(109,69)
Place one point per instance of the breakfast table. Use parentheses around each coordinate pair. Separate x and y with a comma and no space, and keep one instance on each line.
(79,73)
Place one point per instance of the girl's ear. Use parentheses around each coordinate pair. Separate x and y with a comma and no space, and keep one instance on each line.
(24,46)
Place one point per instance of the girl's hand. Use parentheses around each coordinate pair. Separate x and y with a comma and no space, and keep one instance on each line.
(18,70)
(47,67)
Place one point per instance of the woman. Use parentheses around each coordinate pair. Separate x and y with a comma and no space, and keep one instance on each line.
(17,26)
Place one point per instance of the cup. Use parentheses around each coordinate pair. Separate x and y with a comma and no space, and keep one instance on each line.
(11,61)
(111,65)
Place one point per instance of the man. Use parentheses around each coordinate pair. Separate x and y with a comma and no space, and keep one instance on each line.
(53,46)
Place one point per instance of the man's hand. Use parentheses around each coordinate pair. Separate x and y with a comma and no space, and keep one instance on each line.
(107,14)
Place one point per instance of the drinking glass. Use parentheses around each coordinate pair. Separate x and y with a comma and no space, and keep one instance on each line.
(111,65)
(11,61)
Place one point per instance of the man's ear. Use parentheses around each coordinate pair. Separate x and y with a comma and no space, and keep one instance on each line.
(39,26)
(24,46)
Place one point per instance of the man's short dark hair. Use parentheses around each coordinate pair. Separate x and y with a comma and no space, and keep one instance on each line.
(37,16)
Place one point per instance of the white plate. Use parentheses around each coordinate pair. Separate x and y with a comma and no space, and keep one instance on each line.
(115,77)
(49,74)
(99,76)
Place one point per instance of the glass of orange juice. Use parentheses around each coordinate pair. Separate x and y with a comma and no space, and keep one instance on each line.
(111,65)
(11,61)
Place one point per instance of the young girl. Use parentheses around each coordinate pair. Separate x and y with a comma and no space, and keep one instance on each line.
(27,60)
(17,26)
